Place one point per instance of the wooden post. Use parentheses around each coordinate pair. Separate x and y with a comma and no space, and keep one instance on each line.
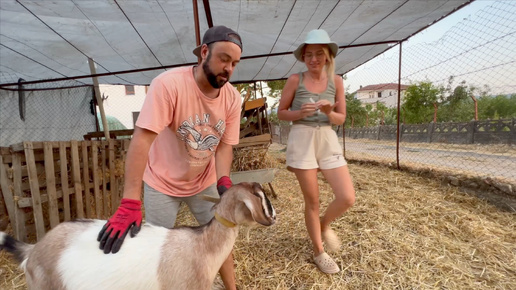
(20,232)
(86,178)
(53,212)
(99,98)
(112,181)
(6,186)
(34,189)
(76,174)
(105,193)
(96,183)
(63,164)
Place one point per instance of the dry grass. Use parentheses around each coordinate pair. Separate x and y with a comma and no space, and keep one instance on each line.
(404,232)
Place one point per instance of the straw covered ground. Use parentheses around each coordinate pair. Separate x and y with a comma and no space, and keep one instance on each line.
(404,232)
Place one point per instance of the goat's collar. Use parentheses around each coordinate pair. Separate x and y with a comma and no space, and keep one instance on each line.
(224,221)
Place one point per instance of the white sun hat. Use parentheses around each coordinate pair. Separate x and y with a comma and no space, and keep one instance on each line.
(317,36)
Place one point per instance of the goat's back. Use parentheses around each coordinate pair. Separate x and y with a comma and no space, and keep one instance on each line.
(70,254)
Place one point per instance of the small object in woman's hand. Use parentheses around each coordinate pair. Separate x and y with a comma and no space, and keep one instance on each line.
(317,109)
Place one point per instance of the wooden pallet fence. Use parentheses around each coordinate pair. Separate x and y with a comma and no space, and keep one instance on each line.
(46,183)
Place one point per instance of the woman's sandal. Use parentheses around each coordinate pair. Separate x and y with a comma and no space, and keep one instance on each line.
(331,240)
(326,264)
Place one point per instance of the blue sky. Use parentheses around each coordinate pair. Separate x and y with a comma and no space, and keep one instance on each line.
(436,31)
(384,68)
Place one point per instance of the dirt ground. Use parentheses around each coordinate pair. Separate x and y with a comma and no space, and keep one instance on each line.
(405,231)
(486,171)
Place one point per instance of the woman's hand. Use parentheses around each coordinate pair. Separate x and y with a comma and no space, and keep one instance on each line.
(308,109)
(325,106)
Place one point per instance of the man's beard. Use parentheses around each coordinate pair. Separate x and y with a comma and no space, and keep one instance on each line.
(212,78)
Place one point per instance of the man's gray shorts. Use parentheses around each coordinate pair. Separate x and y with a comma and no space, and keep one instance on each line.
(162,209)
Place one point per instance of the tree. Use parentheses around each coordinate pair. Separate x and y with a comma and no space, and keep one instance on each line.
(500,106)
(419,102)
(457,104)
(355,113)
(275,89)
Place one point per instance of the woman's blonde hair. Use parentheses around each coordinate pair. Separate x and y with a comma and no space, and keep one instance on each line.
(330,64)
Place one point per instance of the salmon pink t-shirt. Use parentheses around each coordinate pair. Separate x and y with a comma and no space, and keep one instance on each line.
(189,127)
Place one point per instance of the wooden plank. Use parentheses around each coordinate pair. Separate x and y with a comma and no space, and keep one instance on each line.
(263,137)
(27,201)
(86,178)
(7,192)
(53,213)
(249,105)
(259,175)
(63,163)
(19,147)
(34,190)
(105,193)
(19,229)
(5,151)
(6,154)
(250,129)
(76,174)
(112,181)
(112,134)
(96,183)
(252,144)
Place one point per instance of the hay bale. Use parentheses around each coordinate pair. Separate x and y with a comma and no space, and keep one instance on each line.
(252,158)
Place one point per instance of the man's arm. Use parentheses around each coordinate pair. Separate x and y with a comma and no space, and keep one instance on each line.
(223,159)
(136,161)
(128,216)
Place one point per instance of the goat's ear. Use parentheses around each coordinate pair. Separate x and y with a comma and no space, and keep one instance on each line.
(259,205)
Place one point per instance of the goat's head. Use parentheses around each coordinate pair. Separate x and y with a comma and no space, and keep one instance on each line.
(250,204)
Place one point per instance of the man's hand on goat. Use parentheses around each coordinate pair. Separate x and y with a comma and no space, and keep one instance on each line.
(223,184)
(128,217)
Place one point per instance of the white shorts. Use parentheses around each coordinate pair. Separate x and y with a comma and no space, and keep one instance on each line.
(314,147)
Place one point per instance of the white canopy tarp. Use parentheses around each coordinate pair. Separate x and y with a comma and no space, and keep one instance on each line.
(42,39)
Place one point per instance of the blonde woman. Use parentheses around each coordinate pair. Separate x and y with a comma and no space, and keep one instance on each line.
(314,100)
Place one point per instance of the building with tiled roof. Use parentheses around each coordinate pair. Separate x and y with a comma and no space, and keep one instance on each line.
(383,93)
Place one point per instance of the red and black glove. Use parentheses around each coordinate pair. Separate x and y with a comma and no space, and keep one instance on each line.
(223,184)
(128,217)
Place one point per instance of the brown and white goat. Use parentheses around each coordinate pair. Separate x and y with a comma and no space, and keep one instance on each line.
(68,257)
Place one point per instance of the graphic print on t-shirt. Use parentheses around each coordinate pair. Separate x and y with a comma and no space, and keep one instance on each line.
(201,137)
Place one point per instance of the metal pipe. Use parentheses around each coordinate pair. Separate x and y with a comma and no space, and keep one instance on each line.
(207,11)
(197,29)
(399,106)
(476,107)
(198,41)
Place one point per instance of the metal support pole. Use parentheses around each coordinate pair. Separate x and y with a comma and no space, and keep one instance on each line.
(196,23)
(399,106)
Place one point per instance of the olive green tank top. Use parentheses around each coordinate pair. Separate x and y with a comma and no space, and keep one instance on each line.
(303,96)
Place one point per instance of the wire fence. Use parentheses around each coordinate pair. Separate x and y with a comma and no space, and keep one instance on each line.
(458,104)
(66,110)
(57,111)
(466,130)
